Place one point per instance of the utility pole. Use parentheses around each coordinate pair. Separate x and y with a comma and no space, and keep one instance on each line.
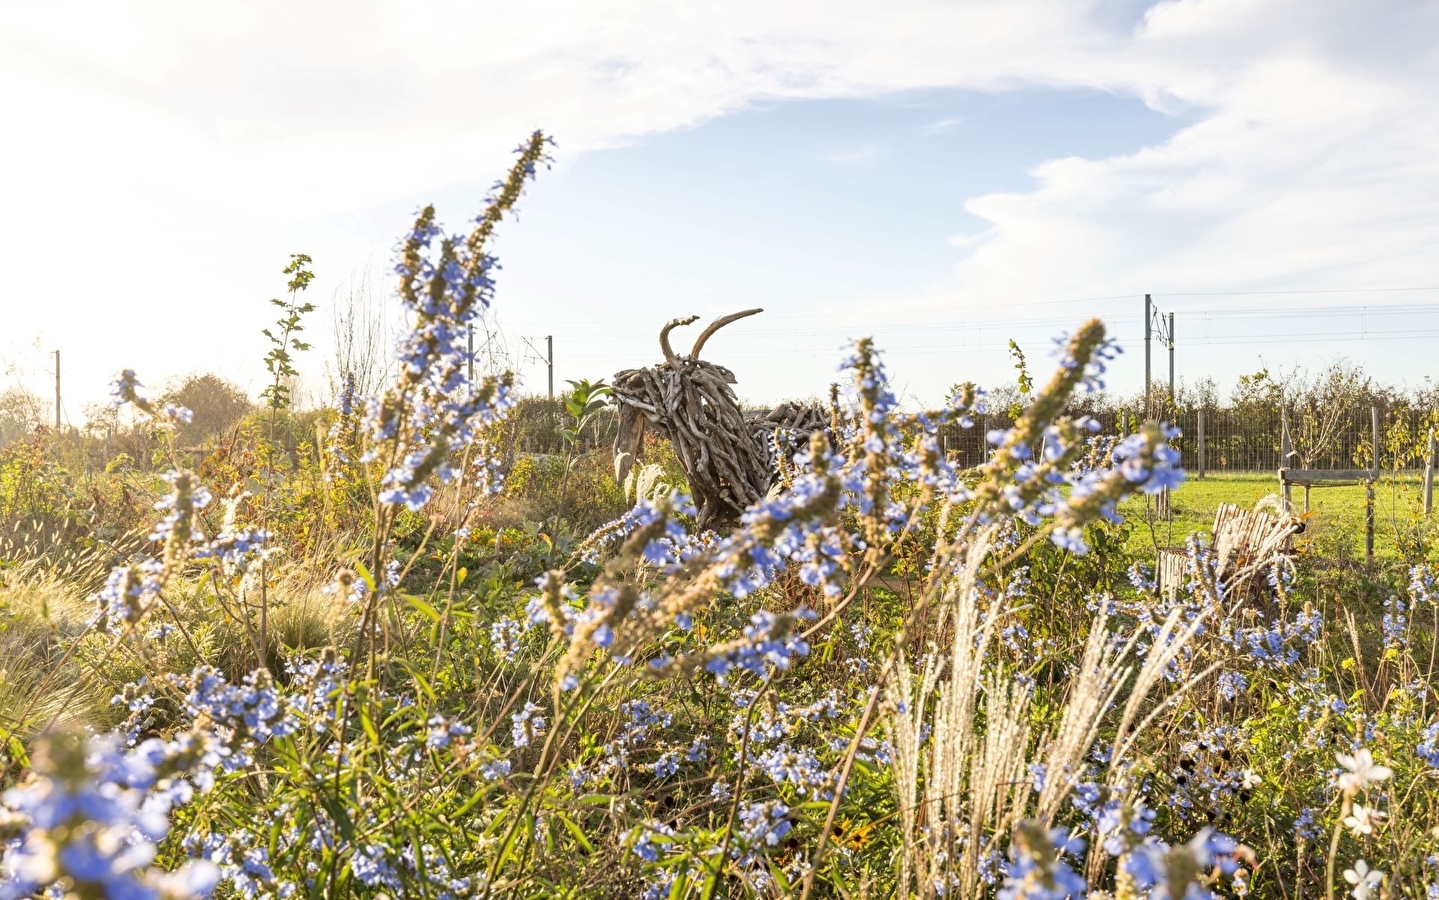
(1148,332)
(1201,443)
(548,358)
(1171,359)
(57,392)
(1165,329)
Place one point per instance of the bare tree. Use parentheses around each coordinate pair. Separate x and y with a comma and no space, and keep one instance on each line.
(26,365)
(360,332)
(1203,393)
(1322,405)
(493,351)
(21,411)
(101,420)
(363,323)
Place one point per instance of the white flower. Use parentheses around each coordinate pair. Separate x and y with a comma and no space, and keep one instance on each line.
(1251,779)
(1363,819)
(1362,771)
(1364,879)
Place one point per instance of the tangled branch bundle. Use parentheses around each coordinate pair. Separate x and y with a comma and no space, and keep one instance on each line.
(729,458)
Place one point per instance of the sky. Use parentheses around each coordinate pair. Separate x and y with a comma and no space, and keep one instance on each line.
(943,177)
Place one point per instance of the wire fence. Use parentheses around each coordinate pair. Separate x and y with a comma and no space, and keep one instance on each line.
(1234,439)
(1220,439)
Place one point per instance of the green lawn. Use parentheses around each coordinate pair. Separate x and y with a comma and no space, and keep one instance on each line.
(1336,522)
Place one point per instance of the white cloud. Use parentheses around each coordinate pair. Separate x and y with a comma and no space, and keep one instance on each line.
(1316,162)
(940,126)
(969,241)
(860,157)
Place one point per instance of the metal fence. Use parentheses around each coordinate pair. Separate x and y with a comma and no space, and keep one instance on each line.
(1253,439)
(1221,439)
(1235,439)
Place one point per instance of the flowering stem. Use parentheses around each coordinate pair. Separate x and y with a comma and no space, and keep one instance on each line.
(536,785)
(738,788)
(1334,851)
(849,757)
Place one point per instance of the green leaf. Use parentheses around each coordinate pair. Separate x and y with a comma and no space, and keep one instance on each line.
(341,815)
(677,888)
(17,751)
(430,612)
(576,832)
(778,873)
(364,573)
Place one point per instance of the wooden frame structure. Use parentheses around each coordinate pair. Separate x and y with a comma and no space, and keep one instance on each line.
(1244,543)
(1311,478)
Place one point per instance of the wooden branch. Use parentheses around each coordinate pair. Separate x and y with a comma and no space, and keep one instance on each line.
(665,338)
(629,438)
(716,325)
(1311,476)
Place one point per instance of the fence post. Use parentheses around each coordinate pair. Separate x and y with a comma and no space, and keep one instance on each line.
(1369,519)
(1429,477)
(1374,421)
(1284,449)
(1201,443)
(1285,446)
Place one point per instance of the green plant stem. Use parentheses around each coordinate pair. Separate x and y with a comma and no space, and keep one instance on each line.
(1334,851)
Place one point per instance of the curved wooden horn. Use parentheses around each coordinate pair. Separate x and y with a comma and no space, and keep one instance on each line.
(716,325)
(665,338)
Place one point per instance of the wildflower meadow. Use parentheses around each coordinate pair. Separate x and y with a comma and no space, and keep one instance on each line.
(395,658)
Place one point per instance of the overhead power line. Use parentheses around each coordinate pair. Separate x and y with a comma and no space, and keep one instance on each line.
(950,308)
(758,329)
(548,358)
(1389,290)
(997,348)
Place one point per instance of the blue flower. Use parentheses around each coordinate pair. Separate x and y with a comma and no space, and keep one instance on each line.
(526,725)
(1038,869)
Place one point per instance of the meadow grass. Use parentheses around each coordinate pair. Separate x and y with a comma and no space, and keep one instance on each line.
(406,663)
(1335,517)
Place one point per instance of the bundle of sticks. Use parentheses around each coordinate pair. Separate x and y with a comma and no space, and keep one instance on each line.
(728,457)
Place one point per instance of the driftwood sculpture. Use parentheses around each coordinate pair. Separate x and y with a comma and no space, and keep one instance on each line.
(1246,543)
(729,457)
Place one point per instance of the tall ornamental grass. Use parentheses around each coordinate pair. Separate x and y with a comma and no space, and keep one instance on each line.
(895,677)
